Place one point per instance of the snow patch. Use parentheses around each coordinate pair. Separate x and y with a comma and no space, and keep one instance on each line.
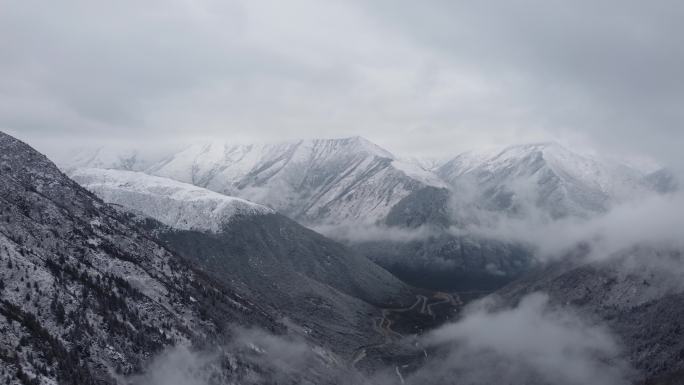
(176,204)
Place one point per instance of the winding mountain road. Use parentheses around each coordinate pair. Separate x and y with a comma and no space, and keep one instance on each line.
(383,325)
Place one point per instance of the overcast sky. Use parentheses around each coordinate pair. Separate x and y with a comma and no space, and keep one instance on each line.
(417,77)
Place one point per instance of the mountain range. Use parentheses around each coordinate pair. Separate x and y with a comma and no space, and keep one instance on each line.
(116,270)
(412,221)
(91,291)
(351,180)
(544,177)
(257,252)
(311,181)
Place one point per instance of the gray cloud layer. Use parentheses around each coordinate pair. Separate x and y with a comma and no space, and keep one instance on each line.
(415,77)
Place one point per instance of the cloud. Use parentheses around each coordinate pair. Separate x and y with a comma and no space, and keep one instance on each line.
(423,80)
(654,221)
(252,356)
(533,342)
(606,73)
(287,359)
(354,232)
(178,366)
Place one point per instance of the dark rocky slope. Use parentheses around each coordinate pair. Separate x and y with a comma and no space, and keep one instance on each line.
(87,296)
(637,294)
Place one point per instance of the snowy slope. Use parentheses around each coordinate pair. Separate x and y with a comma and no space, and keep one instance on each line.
(89,293)
(351,180)
(85,295)
(543,176)
(176,204)
(105,157)
(313,181)
(257,252)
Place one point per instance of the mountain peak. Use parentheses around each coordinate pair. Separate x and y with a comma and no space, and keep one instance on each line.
(352,144)
(27,165)
(14,148)
(545,148)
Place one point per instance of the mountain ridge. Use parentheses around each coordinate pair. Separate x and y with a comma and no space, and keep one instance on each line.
(544,176)
(86,296)
(176,204)
(313,181)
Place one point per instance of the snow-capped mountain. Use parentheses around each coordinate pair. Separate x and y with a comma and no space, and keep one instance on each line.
(322,181)
(351,180)
(176,204)
(546,177)
(90,292)
(85,295)
(351,183)
(533,183)
(257,252)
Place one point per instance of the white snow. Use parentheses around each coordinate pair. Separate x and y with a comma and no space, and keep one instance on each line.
(104,157)
(547,174)
(318,180)
(415,171)
(176,204)
(351,180)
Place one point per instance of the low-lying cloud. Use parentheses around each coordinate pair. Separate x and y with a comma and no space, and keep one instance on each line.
(652,221)
(355,232)
(655,221)
(178,366)
(252,356)
(533,343)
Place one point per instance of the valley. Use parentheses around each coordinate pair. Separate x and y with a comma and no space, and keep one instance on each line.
(210,192)
(196,265)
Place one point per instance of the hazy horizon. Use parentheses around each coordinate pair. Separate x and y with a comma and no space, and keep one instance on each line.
(417,80)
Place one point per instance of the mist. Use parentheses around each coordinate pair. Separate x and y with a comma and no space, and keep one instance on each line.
(177,366)
(655,221)
(250,356)
(533,342)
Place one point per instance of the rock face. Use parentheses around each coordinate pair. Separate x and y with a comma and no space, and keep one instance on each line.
(637,293)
